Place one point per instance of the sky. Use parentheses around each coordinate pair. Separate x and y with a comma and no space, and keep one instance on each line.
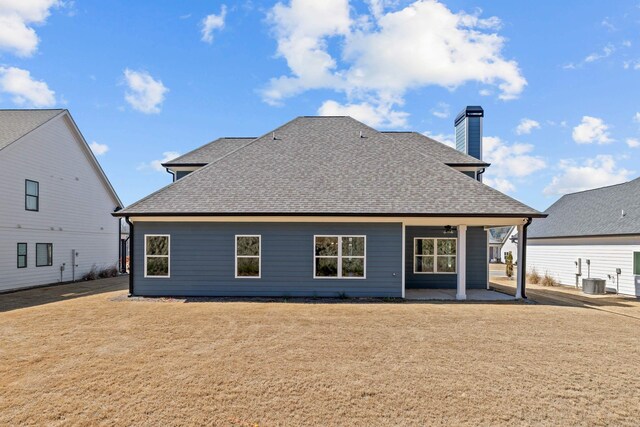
(149,80)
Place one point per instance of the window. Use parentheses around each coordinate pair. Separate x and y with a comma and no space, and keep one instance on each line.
(22,255)
(247,256)
(44,254)
(636,263)
(31,195)
(432,255)
(156,255)
(339,257)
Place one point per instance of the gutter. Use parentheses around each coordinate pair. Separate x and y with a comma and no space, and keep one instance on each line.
(334,214)
(131,240)
(523,257)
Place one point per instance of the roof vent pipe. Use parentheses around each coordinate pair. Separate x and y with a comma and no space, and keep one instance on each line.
(623,214)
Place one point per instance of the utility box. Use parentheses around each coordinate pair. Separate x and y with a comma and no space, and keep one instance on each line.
(593,286)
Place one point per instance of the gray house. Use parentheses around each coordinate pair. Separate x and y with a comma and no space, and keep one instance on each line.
(320,206)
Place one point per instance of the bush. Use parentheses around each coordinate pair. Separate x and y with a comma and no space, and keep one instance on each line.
(94,273)
(533,277)
(108,272)
(548,280)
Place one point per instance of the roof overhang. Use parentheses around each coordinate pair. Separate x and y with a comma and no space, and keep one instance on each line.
(173,165)
(411,219)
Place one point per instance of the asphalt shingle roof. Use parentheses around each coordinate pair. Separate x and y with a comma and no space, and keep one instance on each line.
(435,149)
(595,212)
(322,165)
(210,152)
(16,123)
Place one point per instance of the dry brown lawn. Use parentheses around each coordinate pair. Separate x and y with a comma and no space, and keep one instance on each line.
(74,355)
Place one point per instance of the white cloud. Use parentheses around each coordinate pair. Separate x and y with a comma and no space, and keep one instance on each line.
(604,53)
(526,126)
(485,92)
(590,130)
(156,165)
(442,110)
(144,93)
(501,184)
(17,18)
(98,149)
(25,91)
(606,22)
(592,173)
(379,57)
(446,139)
(376,116)
(633,142)
(213,22)
(509,163)
(636,118)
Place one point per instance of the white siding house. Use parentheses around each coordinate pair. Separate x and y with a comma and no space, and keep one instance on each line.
(55,199)
(594,233)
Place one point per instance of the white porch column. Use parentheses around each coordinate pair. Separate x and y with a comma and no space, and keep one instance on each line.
(461,261)
(522,274)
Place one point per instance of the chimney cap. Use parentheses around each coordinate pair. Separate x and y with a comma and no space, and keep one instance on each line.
(469,111)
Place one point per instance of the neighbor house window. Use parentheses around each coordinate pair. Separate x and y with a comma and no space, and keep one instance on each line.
(44,254)
(247,256)
(431,255)
(31,195)
(339,257)
(22,255)
(156,255)
(636,263)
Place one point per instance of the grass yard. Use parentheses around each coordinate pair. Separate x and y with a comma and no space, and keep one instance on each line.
(77,354)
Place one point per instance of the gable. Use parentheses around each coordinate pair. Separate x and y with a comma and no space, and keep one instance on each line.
(14,124)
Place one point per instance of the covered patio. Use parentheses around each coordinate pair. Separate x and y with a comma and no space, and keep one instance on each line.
(443,261)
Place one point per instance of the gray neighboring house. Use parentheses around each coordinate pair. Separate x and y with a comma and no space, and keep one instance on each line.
(321,206)
(593,233)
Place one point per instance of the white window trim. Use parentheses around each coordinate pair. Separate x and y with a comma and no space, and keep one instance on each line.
(168,256)
(339,257)
(236,256)
(435,255)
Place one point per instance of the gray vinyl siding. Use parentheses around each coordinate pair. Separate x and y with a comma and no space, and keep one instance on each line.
(470,174)
(202,260)
(182,174)
(474,129)
(476,260)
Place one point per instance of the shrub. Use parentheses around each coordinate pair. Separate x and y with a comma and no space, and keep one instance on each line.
(533,277)
(108,272)
(547,280)
(91,274)
(342,295)
(94,273)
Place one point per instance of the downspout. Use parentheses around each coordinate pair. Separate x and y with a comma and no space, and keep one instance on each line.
(480,172)
(523,261)
(131,240)
(172,174)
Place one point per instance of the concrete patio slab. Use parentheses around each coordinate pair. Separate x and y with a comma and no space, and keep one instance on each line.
(450,295)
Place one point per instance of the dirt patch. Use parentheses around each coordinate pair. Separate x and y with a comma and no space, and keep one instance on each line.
(91,360)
